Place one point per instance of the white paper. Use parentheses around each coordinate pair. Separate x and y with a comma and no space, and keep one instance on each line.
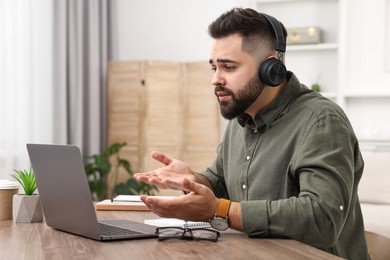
(174,222)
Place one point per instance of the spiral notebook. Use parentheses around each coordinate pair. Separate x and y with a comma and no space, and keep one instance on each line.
(174,222)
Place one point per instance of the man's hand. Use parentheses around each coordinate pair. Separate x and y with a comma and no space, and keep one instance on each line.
(170,176)
(199,204)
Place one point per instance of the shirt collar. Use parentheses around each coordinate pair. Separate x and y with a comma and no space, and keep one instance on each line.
(245,119)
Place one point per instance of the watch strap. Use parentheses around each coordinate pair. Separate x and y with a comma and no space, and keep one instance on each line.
(223,208)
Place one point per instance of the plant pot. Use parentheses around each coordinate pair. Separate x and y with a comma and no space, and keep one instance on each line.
(27,209)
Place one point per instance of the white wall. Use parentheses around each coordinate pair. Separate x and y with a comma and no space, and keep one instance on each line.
(166,30)
(368,68)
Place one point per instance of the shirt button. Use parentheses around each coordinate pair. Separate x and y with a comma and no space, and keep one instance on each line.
(248,157)
(255,130)
(243,186)
(341,207)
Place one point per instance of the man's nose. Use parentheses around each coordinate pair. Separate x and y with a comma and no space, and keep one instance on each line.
(218,79)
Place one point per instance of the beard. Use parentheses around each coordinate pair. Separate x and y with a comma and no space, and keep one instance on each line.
(241,100)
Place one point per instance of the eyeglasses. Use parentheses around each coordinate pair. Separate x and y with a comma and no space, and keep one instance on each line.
(187,233)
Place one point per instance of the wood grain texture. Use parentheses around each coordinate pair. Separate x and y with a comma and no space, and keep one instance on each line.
(378,246)
(38,241)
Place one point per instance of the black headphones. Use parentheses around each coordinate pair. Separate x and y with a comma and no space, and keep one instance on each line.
(272,71)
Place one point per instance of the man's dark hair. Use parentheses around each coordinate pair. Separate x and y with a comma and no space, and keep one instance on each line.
(250,24)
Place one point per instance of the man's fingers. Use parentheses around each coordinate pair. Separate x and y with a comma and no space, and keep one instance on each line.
(144,176)
(161,158)
(189,185)
(141,177)
(155,202)
(144,198)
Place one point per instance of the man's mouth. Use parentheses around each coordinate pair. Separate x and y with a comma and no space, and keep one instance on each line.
(222,96)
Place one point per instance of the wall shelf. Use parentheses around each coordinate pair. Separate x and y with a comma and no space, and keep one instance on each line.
(358,83)
(286,1)
(330,95)
(368,95)
(312,47)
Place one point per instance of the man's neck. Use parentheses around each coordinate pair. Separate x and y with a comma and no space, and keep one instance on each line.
(265,98)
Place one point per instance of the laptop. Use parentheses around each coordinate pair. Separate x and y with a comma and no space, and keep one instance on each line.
(66,199)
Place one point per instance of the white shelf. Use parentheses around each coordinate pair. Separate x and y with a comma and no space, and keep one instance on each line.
(330,95)
(368,95)
(318,62)
(369,144)
(380,141)
(330,63)
(312,47)
(285,1)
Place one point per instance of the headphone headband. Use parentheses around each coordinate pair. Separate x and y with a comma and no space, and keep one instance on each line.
(272,71)
(280,44)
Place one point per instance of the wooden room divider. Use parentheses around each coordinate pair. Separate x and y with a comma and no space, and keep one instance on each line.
(165,106)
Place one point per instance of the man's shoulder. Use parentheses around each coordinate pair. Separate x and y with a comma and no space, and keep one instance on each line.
(317,105)
(311,102)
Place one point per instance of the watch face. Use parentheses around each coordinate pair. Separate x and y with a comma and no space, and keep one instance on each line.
(219,223)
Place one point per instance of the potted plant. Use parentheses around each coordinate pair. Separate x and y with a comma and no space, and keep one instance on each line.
(316,87)
(98,167)
(26,207)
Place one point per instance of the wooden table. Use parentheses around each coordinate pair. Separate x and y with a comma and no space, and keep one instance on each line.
(38,241)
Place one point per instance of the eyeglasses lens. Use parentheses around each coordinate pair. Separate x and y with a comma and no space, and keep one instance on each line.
(177,232)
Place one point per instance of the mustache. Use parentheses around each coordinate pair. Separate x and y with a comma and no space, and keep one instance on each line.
(223,89)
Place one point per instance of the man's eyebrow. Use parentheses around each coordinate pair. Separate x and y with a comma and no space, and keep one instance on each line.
(222,61)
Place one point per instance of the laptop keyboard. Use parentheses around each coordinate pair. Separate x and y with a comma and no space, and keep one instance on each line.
(107,230)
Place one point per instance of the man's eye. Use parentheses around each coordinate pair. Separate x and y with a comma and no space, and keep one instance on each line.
(230,68)
(213,69)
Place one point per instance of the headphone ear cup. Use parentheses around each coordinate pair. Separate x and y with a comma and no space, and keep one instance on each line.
(272,72)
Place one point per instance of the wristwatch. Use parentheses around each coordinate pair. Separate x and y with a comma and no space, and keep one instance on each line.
(220,219)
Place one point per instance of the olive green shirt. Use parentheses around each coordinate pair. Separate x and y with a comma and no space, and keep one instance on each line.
(295,169)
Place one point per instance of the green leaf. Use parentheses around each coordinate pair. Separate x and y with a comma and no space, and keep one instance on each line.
(316,87)
(98,166)
(26,180)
